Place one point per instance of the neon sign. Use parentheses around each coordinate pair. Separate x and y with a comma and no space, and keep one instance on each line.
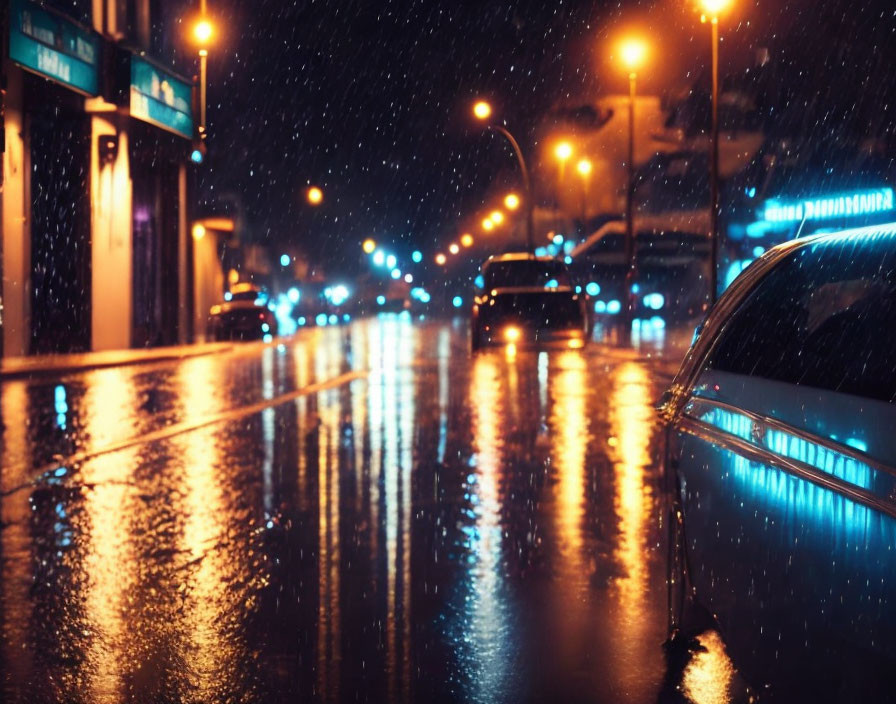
(878,200)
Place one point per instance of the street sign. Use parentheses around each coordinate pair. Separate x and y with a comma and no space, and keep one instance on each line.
(161,97)
(54,46)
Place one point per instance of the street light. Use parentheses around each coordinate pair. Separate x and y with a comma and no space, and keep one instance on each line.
(496,216)
(441,259)
(453,248)
(511,201)
(315,195)
(368,246)
(203,31)
(466,239)
(713,8)
(487,224)
(563,151)
(633,52)
(482,111)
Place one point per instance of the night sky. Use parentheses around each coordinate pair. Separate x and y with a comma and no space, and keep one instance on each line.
(370,100)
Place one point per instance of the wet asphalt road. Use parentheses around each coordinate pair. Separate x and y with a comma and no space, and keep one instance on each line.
(364,513)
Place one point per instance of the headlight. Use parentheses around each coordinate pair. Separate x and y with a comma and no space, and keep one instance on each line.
(512,334)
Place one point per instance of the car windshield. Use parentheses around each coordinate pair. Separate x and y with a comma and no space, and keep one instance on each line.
(526,272)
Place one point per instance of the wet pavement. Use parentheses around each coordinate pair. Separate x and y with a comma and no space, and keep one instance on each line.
(364,513)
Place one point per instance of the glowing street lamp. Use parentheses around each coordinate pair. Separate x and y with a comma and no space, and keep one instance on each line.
(712,8)
(487,224)
(482,111)
(511,201)
(202,34)
(563,151)
(453,248)
(368,246)
(496,217)
(315,195)
(584,167)
(198,231)
(633,52)
(441,259)
(203,31)
(466,239)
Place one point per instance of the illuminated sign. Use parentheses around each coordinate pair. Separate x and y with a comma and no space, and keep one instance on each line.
(54,46)
(878,200)
(161,98)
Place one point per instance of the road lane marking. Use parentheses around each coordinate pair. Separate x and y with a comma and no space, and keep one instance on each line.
(186,427)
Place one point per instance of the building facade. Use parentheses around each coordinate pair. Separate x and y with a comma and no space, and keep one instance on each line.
(97,135)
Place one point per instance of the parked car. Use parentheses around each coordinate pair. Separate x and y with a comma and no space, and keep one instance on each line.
(526,299)
(244,317)
(780,451)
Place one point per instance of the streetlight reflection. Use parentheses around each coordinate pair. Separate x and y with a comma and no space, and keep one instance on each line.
(631,426)
(486,627)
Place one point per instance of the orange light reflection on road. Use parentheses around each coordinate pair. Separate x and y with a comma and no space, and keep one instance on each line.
(570,428)
(211,652)
(486,622)
(631,425)
(708,675)
(15,510)
(329,638)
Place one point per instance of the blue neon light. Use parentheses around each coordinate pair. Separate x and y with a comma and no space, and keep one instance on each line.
(878,200)
(788,445)
(285,259)
(417,256)
(593,288)
(457,301)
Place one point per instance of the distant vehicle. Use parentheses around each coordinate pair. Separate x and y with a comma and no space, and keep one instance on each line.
(780,433)
(670,272)
(244,317)
(526,299)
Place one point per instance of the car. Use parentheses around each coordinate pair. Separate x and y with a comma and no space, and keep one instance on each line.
(524,299)
(780,456)
(245,316)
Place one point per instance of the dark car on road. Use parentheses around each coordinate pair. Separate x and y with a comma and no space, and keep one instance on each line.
(244,317)
(524,299)
(780,432)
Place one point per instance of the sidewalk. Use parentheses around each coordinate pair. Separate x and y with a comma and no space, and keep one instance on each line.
(57,364)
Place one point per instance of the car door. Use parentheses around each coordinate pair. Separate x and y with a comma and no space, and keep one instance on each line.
(784,451)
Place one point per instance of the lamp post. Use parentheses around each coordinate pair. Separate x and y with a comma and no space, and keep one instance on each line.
(482,111)
(584,168)
(202,33)
(632,52)
(712,9)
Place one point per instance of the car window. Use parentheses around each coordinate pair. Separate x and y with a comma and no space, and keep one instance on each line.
(526,273)
(825,317)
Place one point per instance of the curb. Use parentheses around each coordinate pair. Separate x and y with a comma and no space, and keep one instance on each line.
(35,367)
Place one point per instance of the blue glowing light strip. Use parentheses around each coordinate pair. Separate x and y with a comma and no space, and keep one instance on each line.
(878,200)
